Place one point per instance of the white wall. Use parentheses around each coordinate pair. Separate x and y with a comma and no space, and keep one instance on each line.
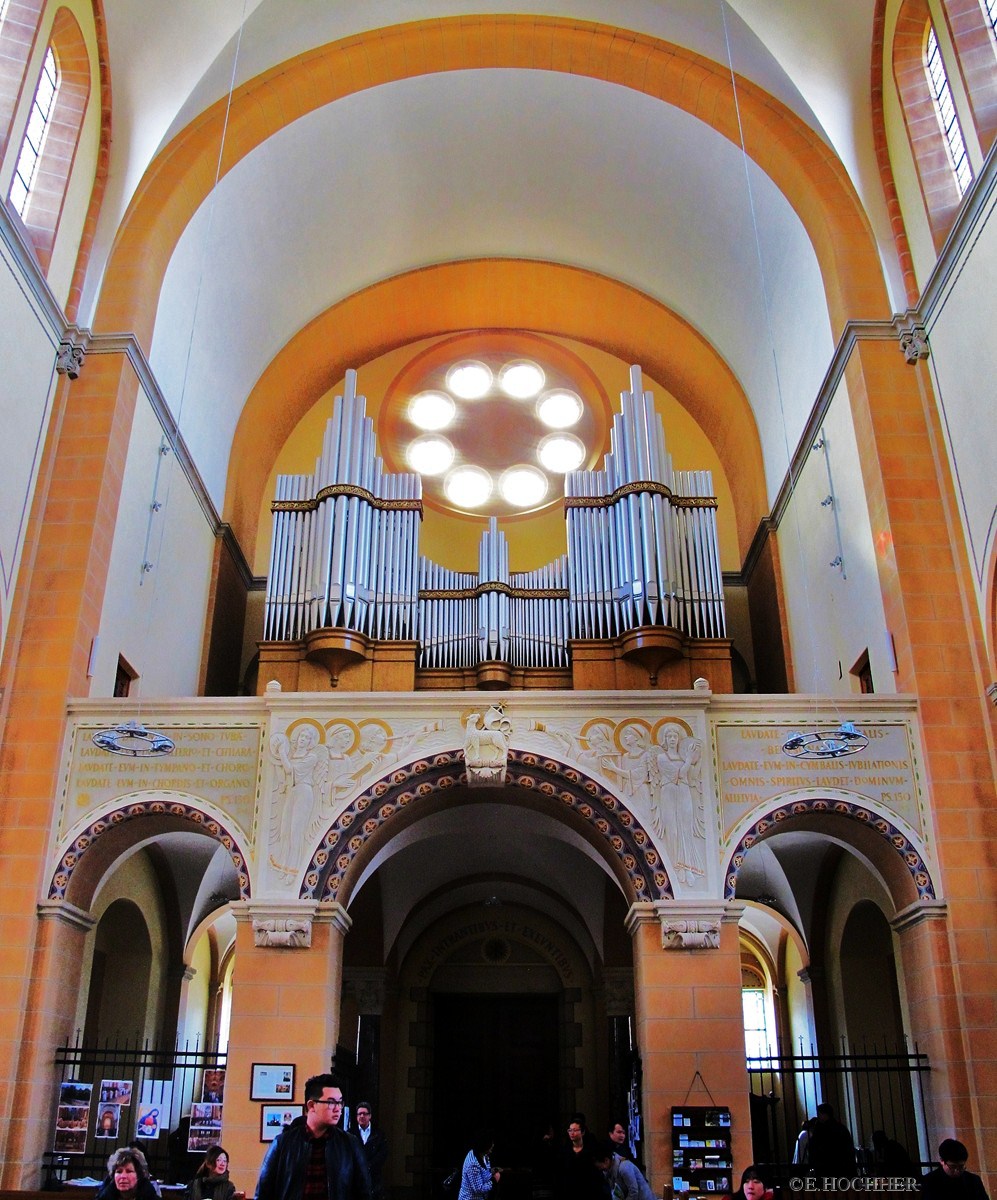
(155,619)
(834,614)
(27,385)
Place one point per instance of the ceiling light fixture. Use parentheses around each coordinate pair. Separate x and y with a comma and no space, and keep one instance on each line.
(468,487)
(560,409)
(469,380)
(561,452)
(134,740)
(430,455)
(431,410)
(523,487)
(521,379)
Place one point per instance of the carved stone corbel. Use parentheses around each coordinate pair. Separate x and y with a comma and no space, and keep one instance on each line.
(914,343)
(690,935)
(282,933)
(69,359)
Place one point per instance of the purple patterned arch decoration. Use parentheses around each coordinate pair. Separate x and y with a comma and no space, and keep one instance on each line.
(148,808)
(623,834)
(806,807)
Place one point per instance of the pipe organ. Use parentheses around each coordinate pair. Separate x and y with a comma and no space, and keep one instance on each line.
(642,552)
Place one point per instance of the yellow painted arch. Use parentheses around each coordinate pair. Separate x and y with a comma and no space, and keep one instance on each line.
(495,294)
(799,163)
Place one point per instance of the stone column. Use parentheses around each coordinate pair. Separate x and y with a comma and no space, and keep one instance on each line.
(934,1011)
(687,980)
(48,1023)
(285,1009)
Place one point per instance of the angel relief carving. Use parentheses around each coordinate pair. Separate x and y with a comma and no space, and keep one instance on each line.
(319,767)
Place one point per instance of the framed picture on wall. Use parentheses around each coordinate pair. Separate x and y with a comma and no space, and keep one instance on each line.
(274,1117)
(272,1081)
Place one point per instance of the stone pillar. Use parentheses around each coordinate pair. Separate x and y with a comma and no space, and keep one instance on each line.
(285,1009)
(930,603)
(687,979)
(48,1023)
(934,1009)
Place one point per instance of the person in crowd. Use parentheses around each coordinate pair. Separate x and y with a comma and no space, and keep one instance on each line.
(619,1139)
(375,1147)
(127,1177)
(477,1175)
(312,1158)
(950,1180)
(889,1158)
(623,1177)
(830,1149)
(578,1178)
(754,1185)
(211,1182)
(543,1162)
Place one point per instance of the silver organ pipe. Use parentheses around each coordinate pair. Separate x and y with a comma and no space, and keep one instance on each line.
(642,549)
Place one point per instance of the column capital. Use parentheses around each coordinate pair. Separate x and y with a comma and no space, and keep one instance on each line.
(686,924)
(287,924)
(368,986)
(917,913)
(68,914)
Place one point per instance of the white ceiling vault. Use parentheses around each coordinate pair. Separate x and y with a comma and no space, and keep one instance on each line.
(470,164)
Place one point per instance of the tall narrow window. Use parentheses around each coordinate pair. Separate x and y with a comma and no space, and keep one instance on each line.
(941,93)
(34,136)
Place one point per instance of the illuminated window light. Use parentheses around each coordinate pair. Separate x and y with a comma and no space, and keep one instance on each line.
(469,380)
(559,409)
(430,455)
(561,452)
(468,487)
(431,410)
(521,380)
(523,487)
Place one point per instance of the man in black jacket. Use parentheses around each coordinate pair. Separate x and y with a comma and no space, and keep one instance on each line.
(313,1159)
(375,1148)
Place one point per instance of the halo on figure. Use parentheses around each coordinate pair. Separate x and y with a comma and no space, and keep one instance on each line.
(602,722)
(639,722)
(659,728)
(345,724)
(389,733)
(296,725)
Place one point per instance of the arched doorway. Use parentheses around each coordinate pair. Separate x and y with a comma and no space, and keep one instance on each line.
(490,964)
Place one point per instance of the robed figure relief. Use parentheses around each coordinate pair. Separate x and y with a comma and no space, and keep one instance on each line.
(677,812)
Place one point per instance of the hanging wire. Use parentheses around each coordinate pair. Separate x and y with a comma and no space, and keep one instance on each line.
(131,738)
(846,739)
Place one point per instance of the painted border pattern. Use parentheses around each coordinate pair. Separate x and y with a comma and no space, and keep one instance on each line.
(913,861)
(145,808)
(613,821)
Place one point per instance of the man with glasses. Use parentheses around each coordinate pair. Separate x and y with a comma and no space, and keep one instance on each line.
(375,1148)
(951,1180)
(313,1158)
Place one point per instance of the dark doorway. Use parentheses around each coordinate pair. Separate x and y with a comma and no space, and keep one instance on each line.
(496,1066)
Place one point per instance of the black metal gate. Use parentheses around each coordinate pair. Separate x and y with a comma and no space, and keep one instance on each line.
(869,1089)
(147,1069)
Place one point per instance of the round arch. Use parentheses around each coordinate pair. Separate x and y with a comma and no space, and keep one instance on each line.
(495,294)
(82,866)
(898,860)
(792,154)
(359,831)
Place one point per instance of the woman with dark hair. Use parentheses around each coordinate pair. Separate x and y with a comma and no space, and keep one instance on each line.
(127,1177)
(211,1181)
(754,1185)
(477,1177)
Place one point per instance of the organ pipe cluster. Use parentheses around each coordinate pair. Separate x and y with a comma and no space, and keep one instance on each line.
(642,550)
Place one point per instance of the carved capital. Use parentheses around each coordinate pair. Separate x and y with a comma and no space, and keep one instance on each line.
(69,359)
(914,343)
(282,933)
(686,924)
(690,935)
